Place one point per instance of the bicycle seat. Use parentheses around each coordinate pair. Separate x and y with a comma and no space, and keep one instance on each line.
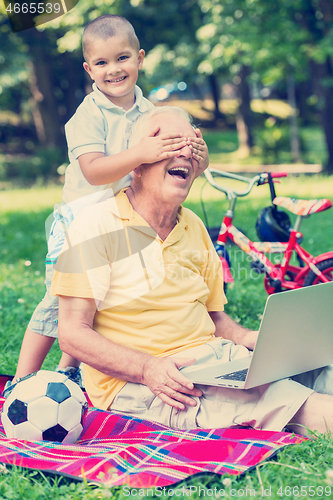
(302,207)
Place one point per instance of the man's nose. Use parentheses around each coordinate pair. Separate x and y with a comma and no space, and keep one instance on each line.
(186,152)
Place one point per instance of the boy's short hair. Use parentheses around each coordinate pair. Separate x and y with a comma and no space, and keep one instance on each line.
(142,125)
(106,26)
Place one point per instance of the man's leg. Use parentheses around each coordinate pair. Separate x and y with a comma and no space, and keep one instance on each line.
(315,414)
(268,407)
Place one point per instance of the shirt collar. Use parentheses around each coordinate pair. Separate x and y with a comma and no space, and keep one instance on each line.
(124,210)
(103,102)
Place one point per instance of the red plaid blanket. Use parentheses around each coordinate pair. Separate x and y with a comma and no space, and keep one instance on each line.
(116,450)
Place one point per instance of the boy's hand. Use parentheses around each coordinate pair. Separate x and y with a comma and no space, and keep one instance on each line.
(199,151)
(160,147)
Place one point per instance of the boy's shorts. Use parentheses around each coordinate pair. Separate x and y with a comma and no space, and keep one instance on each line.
(268,407)
(44,319)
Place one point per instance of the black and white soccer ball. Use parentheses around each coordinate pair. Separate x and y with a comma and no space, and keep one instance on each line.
(45,406)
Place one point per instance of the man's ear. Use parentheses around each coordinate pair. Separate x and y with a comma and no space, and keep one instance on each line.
(141,57)
(137,171)
(88,70)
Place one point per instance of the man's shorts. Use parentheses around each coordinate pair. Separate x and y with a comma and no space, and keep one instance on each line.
(268,407)
(44,319)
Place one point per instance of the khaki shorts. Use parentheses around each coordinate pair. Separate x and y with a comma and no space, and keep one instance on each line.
(268,407)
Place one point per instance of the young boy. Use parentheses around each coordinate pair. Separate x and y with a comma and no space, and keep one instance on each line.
(100,163)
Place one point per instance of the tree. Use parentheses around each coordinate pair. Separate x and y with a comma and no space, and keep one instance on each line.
(274,38)
(247,41)
(53,59)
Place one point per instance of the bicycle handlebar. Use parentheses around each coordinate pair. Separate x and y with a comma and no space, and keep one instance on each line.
(257,179)
(278,174)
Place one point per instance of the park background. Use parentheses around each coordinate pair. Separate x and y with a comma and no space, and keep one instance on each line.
(257,77)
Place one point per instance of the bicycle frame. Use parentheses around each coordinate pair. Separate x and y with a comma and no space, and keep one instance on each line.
(279,276)
(276,273)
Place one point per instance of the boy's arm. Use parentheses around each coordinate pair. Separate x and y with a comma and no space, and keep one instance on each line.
(99,169)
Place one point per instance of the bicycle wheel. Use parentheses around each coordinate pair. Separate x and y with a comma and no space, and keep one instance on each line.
(326,267)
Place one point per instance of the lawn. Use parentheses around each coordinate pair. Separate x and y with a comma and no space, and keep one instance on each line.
(303,470)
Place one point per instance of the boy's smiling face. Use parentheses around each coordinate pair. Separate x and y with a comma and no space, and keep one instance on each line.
(114,66)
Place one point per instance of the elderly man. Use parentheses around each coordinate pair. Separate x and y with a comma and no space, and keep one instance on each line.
(141,296)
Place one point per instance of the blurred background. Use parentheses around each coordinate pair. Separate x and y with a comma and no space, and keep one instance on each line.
(256,75)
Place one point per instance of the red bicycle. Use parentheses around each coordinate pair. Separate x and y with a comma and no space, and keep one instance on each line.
(283,275)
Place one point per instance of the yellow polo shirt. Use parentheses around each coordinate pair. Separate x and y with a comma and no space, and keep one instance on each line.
(151,295)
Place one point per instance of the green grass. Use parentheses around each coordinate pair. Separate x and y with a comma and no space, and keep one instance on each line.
(22,252)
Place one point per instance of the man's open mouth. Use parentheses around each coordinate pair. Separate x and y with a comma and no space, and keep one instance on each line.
(179,172)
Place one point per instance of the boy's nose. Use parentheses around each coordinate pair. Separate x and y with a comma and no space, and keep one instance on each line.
(113,68)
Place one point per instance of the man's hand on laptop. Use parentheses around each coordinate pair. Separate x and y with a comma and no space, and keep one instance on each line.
(229,329)
(164,379)
(250,339)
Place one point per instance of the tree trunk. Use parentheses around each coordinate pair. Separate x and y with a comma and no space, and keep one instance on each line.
(244,118)
(321,74)
(43,82)
(74,82)
(294,132)
(215,90)
(303,90)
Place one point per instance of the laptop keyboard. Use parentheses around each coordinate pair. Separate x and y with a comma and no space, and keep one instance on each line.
(239,375)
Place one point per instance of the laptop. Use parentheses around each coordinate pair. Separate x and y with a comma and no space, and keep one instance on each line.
(295,336)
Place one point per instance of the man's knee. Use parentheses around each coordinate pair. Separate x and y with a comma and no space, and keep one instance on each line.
(316,414)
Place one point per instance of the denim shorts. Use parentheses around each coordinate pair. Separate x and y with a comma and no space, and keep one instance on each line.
(44,319)
(268,407)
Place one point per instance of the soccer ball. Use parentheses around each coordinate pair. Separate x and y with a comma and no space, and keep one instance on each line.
(45,406)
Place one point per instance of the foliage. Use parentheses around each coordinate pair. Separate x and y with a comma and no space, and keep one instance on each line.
(255,33)
(23,246)
(273,143)
(42,81)
(272,146)
(278,41)
(42,165)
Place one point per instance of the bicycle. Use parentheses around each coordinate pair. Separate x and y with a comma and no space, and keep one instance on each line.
(283,275)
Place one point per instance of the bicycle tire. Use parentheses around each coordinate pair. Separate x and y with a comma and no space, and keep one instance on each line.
(326,267)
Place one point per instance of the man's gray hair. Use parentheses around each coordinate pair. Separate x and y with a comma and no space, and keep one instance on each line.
(142,125)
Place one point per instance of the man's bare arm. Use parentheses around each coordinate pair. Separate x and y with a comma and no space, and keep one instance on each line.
(78,338)
(229,329)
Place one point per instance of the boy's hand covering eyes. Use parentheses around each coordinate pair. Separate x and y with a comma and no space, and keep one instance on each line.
(199,151)
(160,147)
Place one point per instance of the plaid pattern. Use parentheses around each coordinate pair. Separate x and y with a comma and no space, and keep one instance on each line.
(115,450)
